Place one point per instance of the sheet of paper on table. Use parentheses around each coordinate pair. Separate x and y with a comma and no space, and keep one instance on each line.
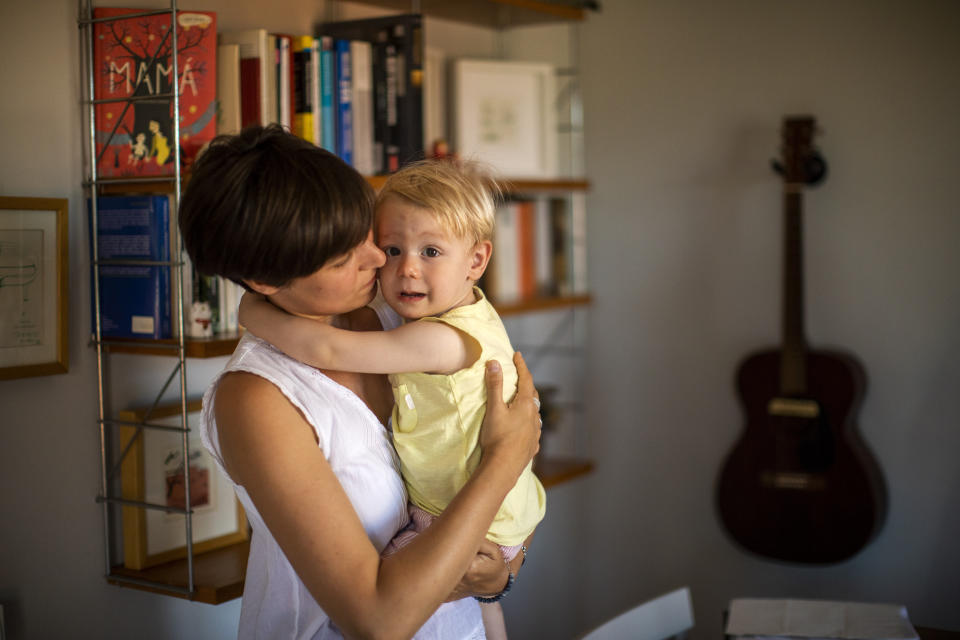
(763,619)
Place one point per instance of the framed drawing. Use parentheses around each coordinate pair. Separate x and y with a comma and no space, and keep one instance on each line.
(152,471)
(503,115)
(34,303)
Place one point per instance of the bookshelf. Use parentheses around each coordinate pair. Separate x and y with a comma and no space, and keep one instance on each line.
(217,576)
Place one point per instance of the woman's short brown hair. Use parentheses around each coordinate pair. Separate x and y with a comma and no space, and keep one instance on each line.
(267,206)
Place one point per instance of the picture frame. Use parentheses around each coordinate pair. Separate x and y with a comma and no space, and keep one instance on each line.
(34,287)
(151,471)
(504,116)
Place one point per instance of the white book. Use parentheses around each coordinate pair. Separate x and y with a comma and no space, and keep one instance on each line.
(228,88)
(578,242)
(506,264)
(361,61)
(284,90)
(434,97)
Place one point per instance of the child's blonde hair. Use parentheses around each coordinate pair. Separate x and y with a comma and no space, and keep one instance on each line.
(462,195)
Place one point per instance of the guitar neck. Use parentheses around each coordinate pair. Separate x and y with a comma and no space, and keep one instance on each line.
(793,374)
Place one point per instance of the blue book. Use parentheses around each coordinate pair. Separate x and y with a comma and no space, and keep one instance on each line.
(134,299)
(327,118)
(343,100)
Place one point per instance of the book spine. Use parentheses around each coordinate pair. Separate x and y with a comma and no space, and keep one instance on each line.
(408,37)
(303,88)
(362,103)
(526,256)
(314,77)
(328,138)
(343,99)
(506,265)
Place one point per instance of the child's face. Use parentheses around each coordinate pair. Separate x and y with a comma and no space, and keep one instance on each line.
(428,270)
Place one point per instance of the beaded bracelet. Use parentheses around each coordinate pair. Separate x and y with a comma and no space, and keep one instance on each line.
(499,596)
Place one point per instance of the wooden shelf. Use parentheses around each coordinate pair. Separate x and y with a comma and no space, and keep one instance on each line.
(541,304)
(556,471)
(491,13)
(221,344)
(218,575)
(510,185)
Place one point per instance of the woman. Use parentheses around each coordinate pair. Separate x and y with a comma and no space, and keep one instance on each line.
(306,450)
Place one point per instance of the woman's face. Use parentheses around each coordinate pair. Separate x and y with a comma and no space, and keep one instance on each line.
(343,284)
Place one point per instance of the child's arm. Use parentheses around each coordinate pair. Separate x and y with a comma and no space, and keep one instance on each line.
(431,347)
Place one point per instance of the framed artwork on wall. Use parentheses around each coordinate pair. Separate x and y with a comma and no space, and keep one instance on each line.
(503,116)
(34,301)
(152,471)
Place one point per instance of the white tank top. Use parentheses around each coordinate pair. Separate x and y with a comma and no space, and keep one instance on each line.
(276,604)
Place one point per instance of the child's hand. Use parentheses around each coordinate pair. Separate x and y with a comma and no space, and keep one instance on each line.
(511,432)
(254,311)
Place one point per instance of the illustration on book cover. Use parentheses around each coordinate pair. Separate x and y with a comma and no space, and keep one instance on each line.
(133,57)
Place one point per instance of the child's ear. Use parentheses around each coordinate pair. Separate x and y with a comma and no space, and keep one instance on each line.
(261,288)
(480,258)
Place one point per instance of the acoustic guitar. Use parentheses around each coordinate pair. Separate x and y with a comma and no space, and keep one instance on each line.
(800,485)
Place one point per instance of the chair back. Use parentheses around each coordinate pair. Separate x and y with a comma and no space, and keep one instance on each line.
(658,619)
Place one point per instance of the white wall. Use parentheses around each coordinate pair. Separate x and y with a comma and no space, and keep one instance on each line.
(683,106)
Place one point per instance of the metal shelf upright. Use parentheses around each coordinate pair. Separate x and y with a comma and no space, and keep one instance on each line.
(110,464)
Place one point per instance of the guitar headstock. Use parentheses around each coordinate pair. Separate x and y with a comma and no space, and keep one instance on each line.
(801,163)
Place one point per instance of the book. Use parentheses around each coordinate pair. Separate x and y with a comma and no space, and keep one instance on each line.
(361,100)
(134,298)
(314,81)
(328,138)
(303,87)
(578,243)
(502,281)
(434,97)
(560,241)
(344,91)
(284,79)
(133,57)
(257,75)
(526,250)
(229,105)
(543,248)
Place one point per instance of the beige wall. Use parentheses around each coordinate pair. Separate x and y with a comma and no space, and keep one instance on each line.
(683,103)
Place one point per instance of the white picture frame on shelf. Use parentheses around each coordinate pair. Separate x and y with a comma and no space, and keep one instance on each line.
(503,115)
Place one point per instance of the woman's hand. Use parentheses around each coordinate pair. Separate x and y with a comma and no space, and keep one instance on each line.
(487,574)
(511,433)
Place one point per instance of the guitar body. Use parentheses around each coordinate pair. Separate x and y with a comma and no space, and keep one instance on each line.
(801,487)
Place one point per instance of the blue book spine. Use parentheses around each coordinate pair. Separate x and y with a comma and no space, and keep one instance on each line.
(135,300)
(344,107)
(328,125)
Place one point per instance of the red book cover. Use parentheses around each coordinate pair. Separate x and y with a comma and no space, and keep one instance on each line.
(133,57)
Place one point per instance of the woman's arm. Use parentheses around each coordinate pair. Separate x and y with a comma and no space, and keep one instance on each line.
(270,449)
(431,347)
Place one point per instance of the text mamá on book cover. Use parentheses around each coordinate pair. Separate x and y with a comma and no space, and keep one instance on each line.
(134,57)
